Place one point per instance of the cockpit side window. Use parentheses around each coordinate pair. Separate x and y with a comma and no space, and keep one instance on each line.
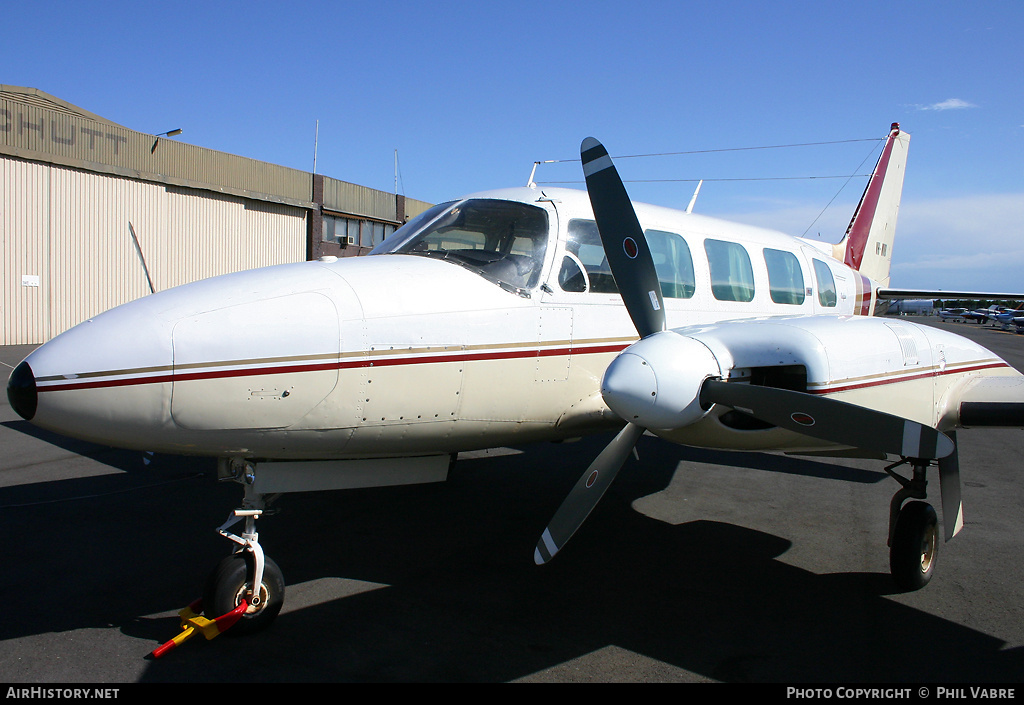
(503,241)
(671,255)
(571,276)
(584,243)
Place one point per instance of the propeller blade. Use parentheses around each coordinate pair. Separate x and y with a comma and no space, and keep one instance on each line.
(586,494)
(949,487)
(632,265)
(629,257)
(830,420)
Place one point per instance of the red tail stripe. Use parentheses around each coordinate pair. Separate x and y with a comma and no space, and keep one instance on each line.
(861,225)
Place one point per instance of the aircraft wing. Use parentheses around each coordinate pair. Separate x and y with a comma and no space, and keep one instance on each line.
(939,294)
(992,401)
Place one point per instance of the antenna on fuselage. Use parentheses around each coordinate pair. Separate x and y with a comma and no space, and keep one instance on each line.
(533,184)
(693,199)
(530,183)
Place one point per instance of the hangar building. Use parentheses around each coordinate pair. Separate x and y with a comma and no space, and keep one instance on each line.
(93,214)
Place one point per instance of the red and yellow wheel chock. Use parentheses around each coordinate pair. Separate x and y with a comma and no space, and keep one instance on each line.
(192,620)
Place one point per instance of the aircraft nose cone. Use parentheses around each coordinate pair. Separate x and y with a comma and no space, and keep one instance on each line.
(21,391)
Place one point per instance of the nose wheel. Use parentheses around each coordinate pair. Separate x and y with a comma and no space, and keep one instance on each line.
(231,582)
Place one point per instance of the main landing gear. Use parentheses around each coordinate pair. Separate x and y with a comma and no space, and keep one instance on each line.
(913,529)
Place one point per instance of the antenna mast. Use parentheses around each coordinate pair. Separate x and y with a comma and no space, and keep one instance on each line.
(693,199)
(316,140)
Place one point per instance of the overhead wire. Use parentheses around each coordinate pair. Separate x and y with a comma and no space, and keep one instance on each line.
(683,181)
(864,161)
(724,149)
(877,140)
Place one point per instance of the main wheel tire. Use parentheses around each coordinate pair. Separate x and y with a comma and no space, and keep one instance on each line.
(915,545)
(231,581)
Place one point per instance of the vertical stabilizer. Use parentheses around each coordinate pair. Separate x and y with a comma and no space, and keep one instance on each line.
(867,246)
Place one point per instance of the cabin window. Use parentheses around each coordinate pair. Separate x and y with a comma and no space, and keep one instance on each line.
(785,280)
(503,241)
(732,277)
(826,284)
(673,263)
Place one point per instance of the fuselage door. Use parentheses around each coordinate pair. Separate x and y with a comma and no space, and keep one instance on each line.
(554,322)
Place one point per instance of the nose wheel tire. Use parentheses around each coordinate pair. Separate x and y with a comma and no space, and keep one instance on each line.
(915,544)
(231,582)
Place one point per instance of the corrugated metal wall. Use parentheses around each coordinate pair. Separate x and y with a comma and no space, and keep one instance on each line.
(352,199)
(414,207)
(67,231)
(72,181)
(23,300)
(349,198)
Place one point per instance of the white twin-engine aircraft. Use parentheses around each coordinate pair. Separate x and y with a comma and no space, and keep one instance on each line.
(498,319)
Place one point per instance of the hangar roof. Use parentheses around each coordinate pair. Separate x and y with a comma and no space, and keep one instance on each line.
(34,96)
(37,126)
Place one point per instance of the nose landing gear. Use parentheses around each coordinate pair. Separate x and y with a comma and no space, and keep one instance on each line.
(245,592)
(246,575)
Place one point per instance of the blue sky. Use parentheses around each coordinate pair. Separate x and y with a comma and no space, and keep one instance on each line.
(471,94)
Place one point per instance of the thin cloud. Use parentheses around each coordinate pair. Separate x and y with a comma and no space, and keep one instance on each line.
(948,104)
(971,243)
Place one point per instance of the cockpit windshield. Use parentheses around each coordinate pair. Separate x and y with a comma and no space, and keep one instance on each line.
(503,241)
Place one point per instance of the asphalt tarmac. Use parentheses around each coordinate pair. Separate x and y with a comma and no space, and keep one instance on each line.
(696,566)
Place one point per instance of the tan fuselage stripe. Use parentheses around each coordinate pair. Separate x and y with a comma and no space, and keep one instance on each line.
(312,363)
(433,354)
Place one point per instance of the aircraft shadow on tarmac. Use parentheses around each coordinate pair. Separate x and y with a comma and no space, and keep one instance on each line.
(457,595)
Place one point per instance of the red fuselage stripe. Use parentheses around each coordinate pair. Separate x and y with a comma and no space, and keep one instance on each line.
(907,378)
(428,359)
(172,376)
